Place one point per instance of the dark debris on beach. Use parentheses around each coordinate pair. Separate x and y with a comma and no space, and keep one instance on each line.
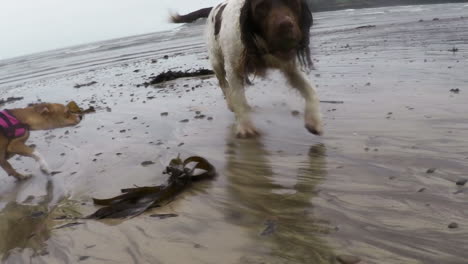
(10,100)
(173,75)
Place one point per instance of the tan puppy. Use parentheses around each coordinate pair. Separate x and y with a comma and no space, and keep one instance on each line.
(15,125)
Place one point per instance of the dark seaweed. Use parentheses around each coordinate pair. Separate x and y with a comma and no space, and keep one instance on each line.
(135,201)
(172,75)
(84,84)
(10,100)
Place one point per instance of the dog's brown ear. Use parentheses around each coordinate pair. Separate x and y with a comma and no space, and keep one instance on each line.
(306,21)
(42,109)
(251,59)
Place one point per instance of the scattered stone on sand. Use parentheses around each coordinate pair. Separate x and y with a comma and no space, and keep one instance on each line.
(147,163)
(422,190)
(431,170)
(455,91)
(164,114)
(84,85)
(454,49)
(348,259)
(137,70)
(55,173)
(453,225)
(82,258)
(10,100)
(295,113)
(184,121)
(172,75)
(462,182)
(210,118)
(435,19)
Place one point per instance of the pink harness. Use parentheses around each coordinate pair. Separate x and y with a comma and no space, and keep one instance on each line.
(10,126)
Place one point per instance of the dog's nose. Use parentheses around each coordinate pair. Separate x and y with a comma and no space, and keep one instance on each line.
(285,24)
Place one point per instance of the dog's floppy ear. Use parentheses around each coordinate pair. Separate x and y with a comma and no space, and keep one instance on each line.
(42,109)
(306,21)
(251,59)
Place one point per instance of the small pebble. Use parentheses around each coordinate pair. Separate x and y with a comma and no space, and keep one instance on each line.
(453,225)
(348,259)
(462,182)
(147,163)
(431,170)
(83,258)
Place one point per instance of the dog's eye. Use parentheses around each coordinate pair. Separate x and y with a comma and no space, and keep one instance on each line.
(295,5)
(261,8)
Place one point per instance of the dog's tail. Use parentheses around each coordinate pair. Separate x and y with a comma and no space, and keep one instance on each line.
(189,18)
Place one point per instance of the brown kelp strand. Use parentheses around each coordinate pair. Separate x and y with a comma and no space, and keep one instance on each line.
(135,201)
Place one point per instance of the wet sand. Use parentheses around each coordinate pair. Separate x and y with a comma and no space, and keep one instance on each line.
(363,189)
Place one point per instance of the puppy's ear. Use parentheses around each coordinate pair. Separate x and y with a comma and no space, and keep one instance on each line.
(42,109)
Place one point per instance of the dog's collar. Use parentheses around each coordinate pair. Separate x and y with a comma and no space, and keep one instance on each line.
(10,126)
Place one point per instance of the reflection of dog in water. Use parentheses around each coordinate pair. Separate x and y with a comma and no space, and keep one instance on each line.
(15,125)
(261,198)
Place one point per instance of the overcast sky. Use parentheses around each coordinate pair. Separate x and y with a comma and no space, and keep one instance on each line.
(30,26)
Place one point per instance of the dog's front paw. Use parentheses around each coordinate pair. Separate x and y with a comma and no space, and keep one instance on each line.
(22,177)
(246,129)
(313,123)
(45,168)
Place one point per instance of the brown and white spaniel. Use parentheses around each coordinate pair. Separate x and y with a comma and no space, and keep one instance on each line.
(250,36)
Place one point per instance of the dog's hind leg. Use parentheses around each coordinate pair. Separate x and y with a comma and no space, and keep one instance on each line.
(8,168)
(300,81)
(17,146)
